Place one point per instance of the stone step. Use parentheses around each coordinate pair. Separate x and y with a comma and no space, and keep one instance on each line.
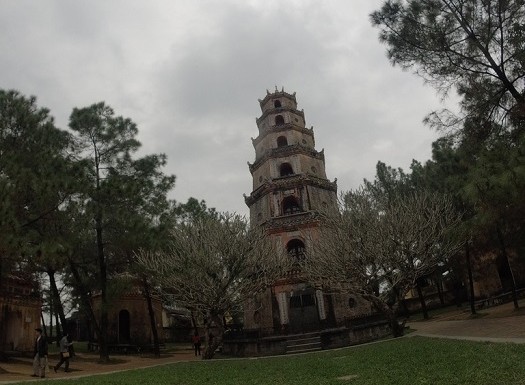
(292,337)
(303,350)
(303,343)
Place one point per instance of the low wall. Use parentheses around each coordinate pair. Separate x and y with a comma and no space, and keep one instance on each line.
(370,332)
(249,347)
(330,339)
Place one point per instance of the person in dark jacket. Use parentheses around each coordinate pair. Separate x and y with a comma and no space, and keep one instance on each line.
(40,355)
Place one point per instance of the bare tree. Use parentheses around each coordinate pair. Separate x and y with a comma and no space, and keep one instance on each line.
(377,249)
(213,265)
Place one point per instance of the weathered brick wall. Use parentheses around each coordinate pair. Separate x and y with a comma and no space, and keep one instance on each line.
(139,322)
(20,319)
(20,308)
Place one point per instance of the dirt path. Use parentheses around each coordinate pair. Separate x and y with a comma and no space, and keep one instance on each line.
(20,369)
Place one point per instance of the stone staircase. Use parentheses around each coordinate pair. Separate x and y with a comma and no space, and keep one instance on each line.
(302,343)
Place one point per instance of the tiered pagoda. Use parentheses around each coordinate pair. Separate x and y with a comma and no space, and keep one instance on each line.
(289,187)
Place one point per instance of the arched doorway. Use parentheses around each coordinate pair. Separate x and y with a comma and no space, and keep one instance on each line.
(123,327)
(304,315)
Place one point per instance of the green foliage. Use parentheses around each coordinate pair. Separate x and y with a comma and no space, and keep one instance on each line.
(475,46)
(36,176)
(389,183)
(123,197)
(193,209)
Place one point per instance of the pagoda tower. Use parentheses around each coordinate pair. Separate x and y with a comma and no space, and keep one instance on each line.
(289,187)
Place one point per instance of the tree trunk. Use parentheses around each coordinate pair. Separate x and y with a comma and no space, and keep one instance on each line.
(422,301)
(3,330)
(213,341)
(194,323)
(470,280)
(43,323)
(58,328)
(58,307)
(397,328)
(506,258)
(440,290)
(3,317)
(103,335)
(85,298)
(147,294)
(51,315)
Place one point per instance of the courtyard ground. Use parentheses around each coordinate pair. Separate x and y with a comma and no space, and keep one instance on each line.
(498,324)
(86,364)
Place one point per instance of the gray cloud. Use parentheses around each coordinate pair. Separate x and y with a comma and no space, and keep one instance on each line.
(189,73)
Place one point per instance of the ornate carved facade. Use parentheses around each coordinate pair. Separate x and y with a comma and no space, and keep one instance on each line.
(289,186)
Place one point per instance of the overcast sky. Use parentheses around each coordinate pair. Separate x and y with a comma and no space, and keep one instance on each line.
(190,74)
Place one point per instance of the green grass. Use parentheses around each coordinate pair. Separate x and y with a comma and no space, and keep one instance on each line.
(407,361)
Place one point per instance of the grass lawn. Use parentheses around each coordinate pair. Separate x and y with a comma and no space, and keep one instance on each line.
(410,361)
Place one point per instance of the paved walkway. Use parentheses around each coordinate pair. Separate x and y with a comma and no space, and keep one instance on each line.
(497,324)
(83,365)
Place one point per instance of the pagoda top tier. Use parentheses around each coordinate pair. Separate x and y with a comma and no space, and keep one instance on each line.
(278,96)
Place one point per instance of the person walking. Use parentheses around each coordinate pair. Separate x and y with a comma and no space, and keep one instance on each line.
(196,339)
(65,343)
(40,355)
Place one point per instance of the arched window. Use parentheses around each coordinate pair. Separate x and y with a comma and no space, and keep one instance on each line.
(282,141)
(286,169)
(123,327)
(296,249)
(279,120)
(277,103)
(291,205)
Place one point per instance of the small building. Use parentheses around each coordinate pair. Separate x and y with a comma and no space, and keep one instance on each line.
(20,310)
(129,319)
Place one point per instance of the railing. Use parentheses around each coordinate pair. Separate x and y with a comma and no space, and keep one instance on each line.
(497,299)
(286,151)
